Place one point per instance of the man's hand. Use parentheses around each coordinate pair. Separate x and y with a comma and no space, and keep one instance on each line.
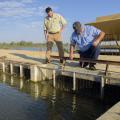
(71,52)
(46,35)
(63,27)
(71,56)
(61,30)
(99,39)
(95,43)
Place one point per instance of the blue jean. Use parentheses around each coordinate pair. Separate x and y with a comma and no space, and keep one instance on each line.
(92,53)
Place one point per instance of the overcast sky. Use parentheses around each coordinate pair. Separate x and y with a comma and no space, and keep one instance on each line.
(23,19)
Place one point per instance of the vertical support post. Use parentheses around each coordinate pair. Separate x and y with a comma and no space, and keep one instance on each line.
(118,43)
(34,73)
(102,87)
(11,68)
(3,67)
(106,69)
(74,81)
(54,78)
(106,72)
(21,71)
(21,84)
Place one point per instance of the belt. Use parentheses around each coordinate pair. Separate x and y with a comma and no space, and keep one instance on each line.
(53,33)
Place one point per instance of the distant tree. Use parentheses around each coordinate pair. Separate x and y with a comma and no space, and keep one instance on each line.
(12,43)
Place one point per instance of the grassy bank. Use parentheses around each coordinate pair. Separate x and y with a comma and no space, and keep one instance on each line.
(20,44)
(23,44)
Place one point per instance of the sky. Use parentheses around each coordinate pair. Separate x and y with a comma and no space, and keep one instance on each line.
(23,19)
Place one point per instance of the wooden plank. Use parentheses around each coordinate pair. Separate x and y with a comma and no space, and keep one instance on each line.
(109,47)
(18,62)
(91,61)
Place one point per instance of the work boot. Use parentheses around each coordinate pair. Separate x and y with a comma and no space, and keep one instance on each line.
(92,67)
(47,61)
(83,65)
(62,61)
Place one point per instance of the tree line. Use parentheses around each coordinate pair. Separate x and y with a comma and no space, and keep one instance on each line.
(13,44)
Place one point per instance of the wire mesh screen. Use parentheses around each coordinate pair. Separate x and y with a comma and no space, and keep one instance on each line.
(111,44)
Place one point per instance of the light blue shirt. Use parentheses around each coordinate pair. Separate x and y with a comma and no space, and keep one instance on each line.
(85,40)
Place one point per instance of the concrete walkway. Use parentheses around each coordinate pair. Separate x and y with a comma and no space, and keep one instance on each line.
(112,114)
(38,57)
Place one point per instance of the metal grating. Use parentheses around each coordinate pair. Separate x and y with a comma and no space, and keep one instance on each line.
(110,45)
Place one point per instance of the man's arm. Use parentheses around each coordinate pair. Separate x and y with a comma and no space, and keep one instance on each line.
(72,51)
(99,38)
(63,22)
(63,27)
(45,29)
(46,34)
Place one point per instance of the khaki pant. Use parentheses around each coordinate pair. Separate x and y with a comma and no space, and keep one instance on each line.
(54,37)
(57,39)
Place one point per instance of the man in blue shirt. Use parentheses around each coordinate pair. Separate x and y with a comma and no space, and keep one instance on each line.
(87,38)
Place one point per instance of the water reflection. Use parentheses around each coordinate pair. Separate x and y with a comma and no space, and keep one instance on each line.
(53,100)
(11,80)
(34,90)
(4,78)
(40,101)
(21,84)
(74,102)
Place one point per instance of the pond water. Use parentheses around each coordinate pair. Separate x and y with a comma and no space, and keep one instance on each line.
(24,100)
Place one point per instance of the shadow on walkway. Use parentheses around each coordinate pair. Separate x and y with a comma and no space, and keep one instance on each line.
(42,60)
(29,57)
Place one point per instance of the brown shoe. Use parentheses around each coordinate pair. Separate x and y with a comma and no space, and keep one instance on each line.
(92,68)
(62,61)
(47,61)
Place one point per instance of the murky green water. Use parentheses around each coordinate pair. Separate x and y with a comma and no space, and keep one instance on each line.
(23,100)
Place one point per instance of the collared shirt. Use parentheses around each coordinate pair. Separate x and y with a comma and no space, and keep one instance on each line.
(85,40)
(53,24)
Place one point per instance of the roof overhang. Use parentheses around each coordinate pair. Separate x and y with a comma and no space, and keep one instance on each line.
(109,26)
